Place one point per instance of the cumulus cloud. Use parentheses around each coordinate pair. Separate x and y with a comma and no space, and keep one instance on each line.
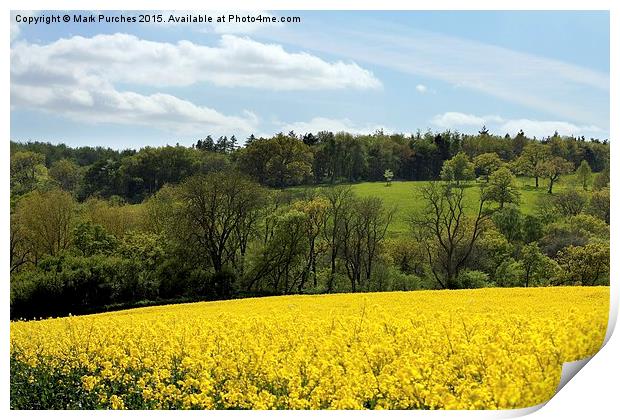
(329,124)
(78,77)
(234,62)
(421,88)
(499,125)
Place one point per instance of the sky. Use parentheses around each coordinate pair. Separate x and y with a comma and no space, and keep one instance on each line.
(132,84)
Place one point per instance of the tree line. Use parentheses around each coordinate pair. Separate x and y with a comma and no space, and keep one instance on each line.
(288,160)
(215,220)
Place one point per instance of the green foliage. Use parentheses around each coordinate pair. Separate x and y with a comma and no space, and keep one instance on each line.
(27,169)
(487,163)
(584,174)
(66,173)
(510,273)
(569,202)
(472,279)
(601,180)
(586,265)
(178,223)
(538,269)
(91,239)
(278,162)
(458,169)
(553,168)
(47,220)
(502,187)
(388,175)
(599,205)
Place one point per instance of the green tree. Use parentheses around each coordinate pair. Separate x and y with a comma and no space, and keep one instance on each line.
(91,239)
(601,180)
(584,174)
(67,173)
(48,220)
(458,169)
(569,202)
(599,205)
(487,163)
(278,162)
(27,168)
(388,175)
(586,265)
(538,268)
(531,162)
(553,168)
(502,187)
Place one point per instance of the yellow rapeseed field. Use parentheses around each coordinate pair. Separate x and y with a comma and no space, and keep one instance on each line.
(469,349)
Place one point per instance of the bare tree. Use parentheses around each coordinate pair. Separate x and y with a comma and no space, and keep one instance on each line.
(364,226)
(446,232)
(339,199)
(218,211)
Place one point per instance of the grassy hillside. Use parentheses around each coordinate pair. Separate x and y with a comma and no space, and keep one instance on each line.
(406,198)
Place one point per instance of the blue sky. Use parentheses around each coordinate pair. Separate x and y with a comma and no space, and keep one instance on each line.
(131,85)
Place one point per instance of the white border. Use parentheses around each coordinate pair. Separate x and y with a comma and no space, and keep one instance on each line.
(592,393)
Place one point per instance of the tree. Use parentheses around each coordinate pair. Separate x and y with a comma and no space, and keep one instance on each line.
(67,173)
(538,268)
(212,207)
(601,180)
(584,174)
(388,175)
(316,211)
(531,161)
(569,202)
(91,239)
(447,233)
(278,162)
(585,265)
(26,169)
(363,228)
(599,205)
(458,169)
(553,168)
(281,262)
(47,219)
(502,187)
(340,199)
(487,163)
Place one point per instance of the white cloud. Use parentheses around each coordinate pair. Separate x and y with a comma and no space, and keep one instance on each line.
(496,124)
(541,129)
(98,102)
(235,62)
(76,78)
(459,119)
(329,124)
(421,88)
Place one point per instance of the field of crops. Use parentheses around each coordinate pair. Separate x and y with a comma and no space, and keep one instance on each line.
(471,349)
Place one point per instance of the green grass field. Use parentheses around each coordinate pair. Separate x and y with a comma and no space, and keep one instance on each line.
(406,198)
